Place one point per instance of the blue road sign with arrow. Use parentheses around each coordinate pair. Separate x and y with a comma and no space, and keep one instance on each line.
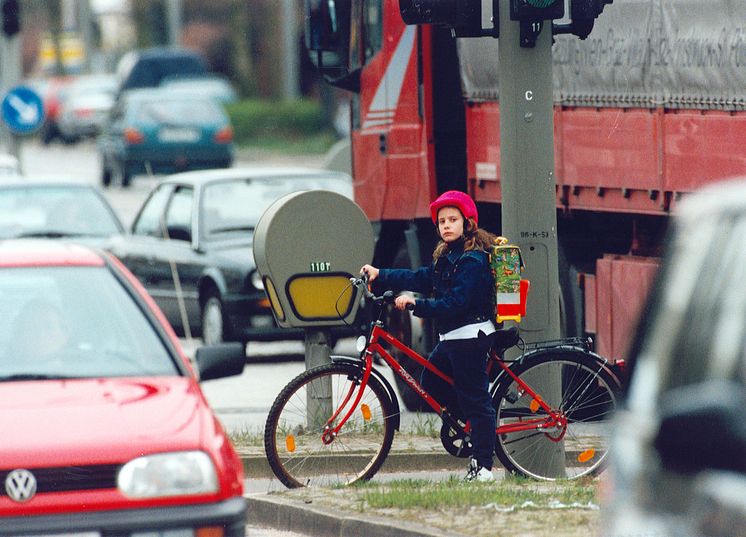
(22,110)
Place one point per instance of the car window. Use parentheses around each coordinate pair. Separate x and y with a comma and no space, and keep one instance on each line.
(76,322)
(178,112)
(148,222)
(148,72)
(28,211)
(179,214)
(235,206)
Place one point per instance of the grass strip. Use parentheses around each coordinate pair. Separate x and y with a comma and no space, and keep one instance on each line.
(454,493)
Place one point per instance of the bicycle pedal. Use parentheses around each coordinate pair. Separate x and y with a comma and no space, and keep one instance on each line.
(466,443)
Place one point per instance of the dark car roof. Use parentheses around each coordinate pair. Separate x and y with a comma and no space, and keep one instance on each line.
(147,67)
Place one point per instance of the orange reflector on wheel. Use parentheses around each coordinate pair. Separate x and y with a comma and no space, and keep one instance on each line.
(365,409)
(585,456)
(534,406)
(290,442)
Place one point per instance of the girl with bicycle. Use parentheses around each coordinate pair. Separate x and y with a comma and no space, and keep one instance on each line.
(460,298)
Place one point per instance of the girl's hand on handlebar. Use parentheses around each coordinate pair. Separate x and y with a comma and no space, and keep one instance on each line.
(371,271)
(403,301)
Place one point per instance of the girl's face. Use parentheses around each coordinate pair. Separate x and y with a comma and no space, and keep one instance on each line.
(450,224)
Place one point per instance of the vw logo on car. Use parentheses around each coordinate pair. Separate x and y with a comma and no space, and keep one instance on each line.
(20,485)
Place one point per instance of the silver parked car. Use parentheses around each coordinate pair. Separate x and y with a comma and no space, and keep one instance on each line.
(679,448)
(84,106)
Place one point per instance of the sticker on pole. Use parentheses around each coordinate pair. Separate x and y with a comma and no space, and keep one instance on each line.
(22,110)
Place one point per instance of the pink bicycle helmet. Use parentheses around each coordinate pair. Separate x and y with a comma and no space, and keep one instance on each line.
(454,198)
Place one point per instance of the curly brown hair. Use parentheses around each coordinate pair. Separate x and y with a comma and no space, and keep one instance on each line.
(474,239)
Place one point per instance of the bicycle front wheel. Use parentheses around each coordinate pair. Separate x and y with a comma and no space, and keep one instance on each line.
(299,452)
(581,391)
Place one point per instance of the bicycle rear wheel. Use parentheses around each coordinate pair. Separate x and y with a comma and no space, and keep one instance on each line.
(583,390)
(293,441)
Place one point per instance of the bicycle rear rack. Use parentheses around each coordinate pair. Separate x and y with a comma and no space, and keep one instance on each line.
(584,342)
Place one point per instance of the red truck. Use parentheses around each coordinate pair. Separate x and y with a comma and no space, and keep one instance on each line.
(649,107)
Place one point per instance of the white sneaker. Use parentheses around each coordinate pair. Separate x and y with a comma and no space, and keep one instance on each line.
(478,473)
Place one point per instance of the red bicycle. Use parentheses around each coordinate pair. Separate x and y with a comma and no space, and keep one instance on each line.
(335,424)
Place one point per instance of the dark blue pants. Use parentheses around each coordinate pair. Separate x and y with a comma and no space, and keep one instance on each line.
(466,361)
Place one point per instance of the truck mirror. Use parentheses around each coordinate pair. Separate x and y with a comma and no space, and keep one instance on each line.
(322,30)
(327,38)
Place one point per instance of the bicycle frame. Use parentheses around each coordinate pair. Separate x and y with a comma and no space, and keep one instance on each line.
(552,420)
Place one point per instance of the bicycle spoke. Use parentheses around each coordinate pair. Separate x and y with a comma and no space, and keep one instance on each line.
(583,393)
(299,451)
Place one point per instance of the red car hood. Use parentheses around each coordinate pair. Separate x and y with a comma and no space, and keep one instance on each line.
(99,421)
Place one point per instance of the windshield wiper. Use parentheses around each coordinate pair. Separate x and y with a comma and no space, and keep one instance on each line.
(232,228)
(50,234)
(33,376)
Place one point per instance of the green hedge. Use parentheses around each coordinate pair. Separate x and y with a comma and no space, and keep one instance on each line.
(254,120)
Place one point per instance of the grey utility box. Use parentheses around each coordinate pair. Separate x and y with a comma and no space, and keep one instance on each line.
(307,246)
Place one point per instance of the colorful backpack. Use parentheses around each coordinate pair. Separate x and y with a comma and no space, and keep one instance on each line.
(511,291)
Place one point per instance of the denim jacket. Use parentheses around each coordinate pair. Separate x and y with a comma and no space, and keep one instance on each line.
(459,287)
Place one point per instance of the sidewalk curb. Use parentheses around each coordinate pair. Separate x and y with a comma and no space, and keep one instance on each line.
(282,514)
(256,466)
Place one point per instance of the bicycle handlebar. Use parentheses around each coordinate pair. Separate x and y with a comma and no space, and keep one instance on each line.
(387,297)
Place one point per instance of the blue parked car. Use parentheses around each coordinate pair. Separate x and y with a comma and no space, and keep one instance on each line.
(154,131)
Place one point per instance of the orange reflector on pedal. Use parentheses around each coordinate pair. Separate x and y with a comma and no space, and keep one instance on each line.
(365,409)
(290,443)
(534,406)
(585,456)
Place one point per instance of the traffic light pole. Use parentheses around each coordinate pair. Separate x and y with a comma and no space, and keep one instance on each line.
(529,215)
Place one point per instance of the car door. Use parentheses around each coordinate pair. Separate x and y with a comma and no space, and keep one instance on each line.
(160,253)
(178,265)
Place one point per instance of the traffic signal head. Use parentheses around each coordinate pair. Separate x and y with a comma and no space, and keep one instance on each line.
(464,17)
(536,10)
(583,14)
(11,17)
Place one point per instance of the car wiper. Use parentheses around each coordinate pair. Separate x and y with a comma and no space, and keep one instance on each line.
(32,376)
(232,228)
(51,234)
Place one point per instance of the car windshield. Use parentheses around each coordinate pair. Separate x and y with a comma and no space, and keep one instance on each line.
(53,211)
(236,206)
(178,111)
(74,322)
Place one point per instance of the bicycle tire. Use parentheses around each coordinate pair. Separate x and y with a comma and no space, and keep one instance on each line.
(295,451)
(588,394)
